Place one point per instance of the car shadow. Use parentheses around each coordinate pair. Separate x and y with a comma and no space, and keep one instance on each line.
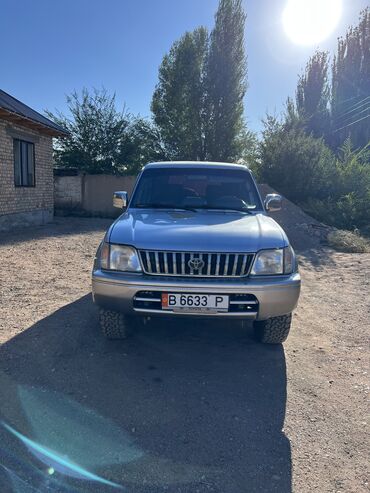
(183,406)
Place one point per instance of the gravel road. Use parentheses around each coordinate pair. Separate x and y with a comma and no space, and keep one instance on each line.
(181,407)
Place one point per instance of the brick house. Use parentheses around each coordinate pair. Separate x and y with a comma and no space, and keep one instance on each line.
(26,164)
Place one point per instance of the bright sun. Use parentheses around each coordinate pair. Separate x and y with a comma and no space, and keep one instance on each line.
(308,22)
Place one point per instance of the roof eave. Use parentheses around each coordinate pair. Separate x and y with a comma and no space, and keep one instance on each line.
(32,124)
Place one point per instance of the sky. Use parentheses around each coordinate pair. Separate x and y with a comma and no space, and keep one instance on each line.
(50,48)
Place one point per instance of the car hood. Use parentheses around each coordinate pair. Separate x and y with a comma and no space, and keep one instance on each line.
(208,231)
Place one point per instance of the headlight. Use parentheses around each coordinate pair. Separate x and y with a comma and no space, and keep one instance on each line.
(273,262)
(119,257)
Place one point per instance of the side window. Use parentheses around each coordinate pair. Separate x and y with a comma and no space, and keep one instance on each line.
(24,163)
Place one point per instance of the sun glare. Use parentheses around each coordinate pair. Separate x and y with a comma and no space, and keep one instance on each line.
(308,22)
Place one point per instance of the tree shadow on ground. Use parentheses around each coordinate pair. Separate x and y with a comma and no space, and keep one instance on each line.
(183,406)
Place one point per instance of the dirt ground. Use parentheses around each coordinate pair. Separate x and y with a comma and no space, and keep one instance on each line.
(180,407)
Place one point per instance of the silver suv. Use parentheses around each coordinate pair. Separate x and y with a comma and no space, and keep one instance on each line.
(194,240)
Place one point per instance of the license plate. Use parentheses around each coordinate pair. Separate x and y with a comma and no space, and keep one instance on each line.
(195,302)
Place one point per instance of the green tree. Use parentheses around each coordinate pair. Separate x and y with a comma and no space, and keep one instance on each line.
(332,186)
(312,95)
(351,85)
(249,155)
(95,130)
(178,99)
(198,101)
(102,139)
(141,144)
(226,83)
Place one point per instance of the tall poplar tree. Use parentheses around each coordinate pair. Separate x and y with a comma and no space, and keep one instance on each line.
(178,99)
(312,95)
(198,101)
(351,85)
(226,82)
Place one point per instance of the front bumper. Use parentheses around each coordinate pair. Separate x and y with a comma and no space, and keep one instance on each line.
(276,295)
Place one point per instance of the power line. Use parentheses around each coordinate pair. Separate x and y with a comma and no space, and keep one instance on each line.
(356,106)
(345,126)
(349,99)
(348,118)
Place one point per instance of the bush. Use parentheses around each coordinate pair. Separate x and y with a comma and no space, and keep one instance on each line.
(333,189)
(298,165)
(346,241)
(347,207)
(344,213)
(353,187)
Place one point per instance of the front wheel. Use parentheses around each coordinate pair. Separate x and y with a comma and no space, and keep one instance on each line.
(115,325)
(273,330)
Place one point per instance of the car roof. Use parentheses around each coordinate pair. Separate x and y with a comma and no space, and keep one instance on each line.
(195,164)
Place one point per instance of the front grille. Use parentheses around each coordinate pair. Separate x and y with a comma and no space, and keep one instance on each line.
(196,264)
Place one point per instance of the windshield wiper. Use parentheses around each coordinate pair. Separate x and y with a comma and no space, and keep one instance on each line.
(226,209)
(164,206)
(186,208)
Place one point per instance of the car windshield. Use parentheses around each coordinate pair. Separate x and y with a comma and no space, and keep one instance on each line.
(189,188)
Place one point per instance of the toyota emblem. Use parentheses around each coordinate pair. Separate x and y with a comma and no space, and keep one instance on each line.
(196,264)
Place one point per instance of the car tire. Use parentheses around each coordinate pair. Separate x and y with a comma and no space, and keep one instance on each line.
(273,330)
(115,325)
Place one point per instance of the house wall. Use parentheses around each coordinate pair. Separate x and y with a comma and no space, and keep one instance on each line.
(20,206)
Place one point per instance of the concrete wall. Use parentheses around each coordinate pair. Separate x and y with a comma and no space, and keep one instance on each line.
(68,192)
(20,206)
(98,193)
(89,194)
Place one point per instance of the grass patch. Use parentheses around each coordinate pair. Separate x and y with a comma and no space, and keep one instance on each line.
(348,241)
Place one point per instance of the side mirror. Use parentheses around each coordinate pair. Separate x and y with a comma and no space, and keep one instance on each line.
(273,202)
(120,200)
